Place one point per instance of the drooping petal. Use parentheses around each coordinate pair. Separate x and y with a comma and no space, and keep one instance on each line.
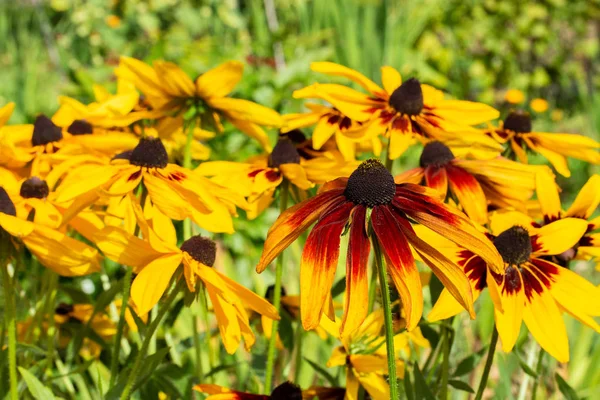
(219,81)
(319,262)
(376,385)
(400,263)
(469,193)
(508,320)
(547,194)
(227,321)
(246,110)
(437,178)
(465,112)
(217,392)
(330,68)
(291,223)
(150,284)
(357,284)
(15,226)
(587,200)
(558,236)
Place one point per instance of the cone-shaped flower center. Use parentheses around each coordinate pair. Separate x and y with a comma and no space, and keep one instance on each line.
(518,121)
(80,127)
(6,204)
(296,136)
(286,391)
(63,309)
(270,292)
(514,245)
(408,98)
(44,131)
(34,187)
(284,152)
(201,249)
(371,184)
(149,153)
(436,154)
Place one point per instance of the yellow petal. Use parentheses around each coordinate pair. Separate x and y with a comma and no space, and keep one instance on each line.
(560,235)
(124,248)
(297,175)
(5,113)
(390,78)
(15,226)
(220,81)
(227,321)
(173,80)
(509,321)
(503,220)
(150,284)
(587,200)
(547,193)
(246,110)
(330,68)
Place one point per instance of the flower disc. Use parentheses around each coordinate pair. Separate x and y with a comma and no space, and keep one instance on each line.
(371,184)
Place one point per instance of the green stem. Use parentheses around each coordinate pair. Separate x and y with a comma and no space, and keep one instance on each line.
(389,323)
(133,375)
(298,343)
(488,364)
(207,337)
(48,310)
(283,200)
(11,323)
(445,362)
(197,347)
(538,370)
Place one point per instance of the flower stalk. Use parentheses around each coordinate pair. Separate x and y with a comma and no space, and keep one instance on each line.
(488,364)
(276,297)
(11,324)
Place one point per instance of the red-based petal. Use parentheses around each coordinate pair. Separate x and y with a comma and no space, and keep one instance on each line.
(469,193)
(400,263)
(319,261)
(437,178)
(357,284)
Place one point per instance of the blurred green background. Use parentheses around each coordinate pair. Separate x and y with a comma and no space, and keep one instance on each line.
(473,49)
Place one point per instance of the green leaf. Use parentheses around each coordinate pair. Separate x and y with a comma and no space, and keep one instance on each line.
(80,369)
(524,366)
(422,391)
(150,364)
(468,364)
(408,387)
(36,388)
(220,368)
(330,379)
(565,388)
(460,385)
(286,332)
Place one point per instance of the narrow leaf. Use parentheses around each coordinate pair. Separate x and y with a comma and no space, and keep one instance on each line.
(422,391)
(565,388)
(36,388)
(460,385)
(330,379)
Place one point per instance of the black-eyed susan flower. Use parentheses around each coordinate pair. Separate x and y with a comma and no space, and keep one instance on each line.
(10,155)
(168,90)
(531,288)
(538,105)
(474,183)
(171,133)
(555,147)
(401,110)
(514,96)
(583,207)
(156,260)
(329,122)
(285,391)
(55,250)
(258,178)
(369,201)
(174,190)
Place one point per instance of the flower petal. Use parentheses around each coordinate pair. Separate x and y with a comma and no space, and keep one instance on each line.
(558,236)
(391,79)
(547,194)
(246,110)
(220,81)
(437,178)
(587,200)
(330,68)
(150,284)
(319,262)
(121,247)
(508,320)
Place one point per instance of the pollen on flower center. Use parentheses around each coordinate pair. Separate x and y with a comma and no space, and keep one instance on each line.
(371,184)
(518,121)
(34,187)
(44,131)
(435,154)
(201,249)
(6,204)
(63,309)
(80,127)
(514,245)
(408,98)
(286,391)
(149,153)
(284,152)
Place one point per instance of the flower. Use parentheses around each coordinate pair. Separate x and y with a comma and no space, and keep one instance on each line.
(514,96)
(10,156)
(174,190)
(55,250)
(285,391)
(258,178)
(348,201)
(364,354)
(516,129)
(539,105)
(156,260)
(583,207)
(475,183)
(401,110)
(330,122)
(531,288)
(170,91)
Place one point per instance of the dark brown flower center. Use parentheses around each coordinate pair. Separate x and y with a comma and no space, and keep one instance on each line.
(44,131)
(514,245)
(270,292)
(34,188)
(286,391)
(284,152)
(126,155)
(149,153)
(64,309)
(371,184)
(436,154)
(518,121)
(408,98)
(80,127)
(6,204)
(296,136)
(201,249)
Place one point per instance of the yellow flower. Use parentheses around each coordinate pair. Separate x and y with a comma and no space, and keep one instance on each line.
(285,391)
(531,288)
(170,91)
(403,111)
(113,21)
(258,178)
(556,147)
(539,105)
(175,191)
(156,260)
(514,96)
